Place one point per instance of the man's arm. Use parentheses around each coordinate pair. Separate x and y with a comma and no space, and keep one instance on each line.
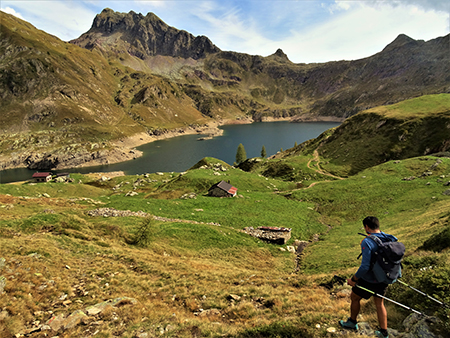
(366,250)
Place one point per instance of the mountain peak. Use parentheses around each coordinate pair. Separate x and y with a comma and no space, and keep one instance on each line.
(279,55)
(144,36)
(399,41)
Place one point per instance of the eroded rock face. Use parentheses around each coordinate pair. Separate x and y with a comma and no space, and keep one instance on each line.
(146,36)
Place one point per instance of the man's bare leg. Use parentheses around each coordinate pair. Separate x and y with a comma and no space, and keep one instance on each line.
(381,312)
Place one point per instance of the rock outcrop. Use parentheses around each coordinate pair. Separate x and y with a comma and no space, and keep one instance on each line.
(87,316)
(146,36)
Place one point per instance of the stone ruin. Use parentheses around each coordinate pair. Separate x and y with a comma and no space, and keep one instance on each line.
(273,235)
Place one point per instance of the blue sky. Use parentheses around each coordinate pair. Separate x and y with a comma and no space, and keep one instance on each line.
(307,30)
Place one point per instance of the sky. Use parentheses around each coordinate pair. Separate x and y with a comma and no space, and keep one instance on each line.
(308,31)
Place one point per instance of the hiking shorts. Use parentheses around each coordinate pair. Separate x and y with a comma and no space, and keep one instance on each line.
(379,288)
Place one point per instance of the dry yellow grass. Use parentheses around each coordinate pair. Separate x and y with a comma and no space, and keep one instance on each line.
(49,274)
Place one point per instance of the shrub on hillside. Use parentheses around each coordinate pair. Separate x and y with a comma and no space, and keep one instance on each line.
(279,169)
(143,235)
(438,242)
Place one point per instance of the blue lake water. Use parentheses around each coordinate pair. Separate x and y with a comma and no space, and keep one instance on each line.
(180,153)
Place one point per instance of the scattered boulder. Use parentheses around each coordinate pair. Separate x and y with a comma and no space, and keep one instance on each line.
(2,284)
(60,323)
(233,297)
(208,313)
(131,193)
(419,326)
(3,315)
(190,195)
(435,165)
(59,180)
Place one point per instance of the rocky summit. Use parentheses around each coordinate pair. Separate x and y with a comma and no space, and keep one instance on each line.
(143,36)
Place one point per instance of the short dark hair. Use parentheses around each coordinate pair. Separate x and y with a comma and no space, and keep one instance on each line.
(372,222)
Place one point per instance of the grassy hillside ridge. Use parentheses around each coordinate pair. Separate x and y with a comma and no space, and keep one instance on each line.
(407,129)
(63,81)
(53,248)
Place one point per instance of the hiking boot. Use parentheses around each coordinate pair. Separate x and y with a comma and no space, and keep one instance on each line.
(380,334)
(349,324)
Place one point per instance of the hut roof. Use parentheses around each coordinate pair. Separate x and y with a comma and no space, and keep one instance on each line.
(39,175)
(226,187)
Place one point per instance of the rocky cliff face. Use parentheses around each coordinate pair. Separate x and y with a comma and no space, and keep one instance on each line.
(143,36)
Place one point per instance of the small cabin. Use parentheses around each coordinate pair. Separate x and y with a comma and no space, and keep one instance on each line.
(222,189)
(42,177)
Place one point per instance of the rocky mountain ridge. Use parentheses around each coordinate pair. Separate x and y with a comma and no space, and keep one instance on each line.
(272,86)
(143,36)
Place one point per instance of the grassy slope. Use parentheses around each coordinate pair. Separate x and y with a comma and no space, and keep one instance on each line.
(414,127)
(185,266)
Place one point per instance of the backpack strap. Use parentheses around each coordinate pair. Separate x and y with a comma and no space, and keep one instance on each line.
(374,255)
(375,239)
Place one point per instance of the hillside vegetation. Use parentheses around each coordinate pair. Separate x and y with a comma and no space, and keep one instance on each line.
(192,272)
(410,128)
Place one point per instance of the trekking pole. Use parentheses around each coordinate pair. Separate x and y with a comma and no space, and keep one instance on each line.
(388,299)
(424,294)
(391,300)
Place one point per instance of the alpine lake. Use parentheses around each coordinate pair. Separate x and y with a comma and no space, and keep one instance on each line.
(180,153)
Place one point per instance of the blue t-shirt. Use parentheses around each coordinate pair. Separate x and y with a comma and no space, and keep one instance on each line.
(367,247)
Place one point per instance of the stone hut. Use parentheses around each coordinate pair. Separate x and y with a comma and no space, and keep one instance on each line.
(222,189)
(42,177)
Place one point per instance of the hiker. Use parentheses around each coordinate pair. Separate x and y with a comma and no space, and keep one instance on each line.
(365,278)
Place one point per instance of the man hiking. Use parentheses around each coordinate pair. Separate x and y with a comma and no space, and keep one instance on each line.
(365,278)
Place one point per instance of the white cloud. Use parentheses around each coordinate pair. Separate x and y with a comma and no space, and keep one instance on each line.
(338,6)
(65,19)
(10,10)
(359,31)
(154,3)
(434,5)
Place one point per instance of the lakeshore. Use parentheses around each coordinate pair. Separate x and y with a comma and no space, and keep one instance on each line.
(167,152)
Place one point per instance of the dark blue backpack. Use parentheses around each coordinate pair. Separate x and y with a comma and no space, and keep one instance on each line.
(386,263)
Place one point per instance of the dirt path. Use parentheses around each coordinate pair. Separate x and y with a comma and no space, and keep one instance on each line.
(318,170)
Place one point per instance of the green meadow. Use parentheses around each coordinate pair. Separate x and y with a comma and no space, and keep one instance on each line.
(198,257)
